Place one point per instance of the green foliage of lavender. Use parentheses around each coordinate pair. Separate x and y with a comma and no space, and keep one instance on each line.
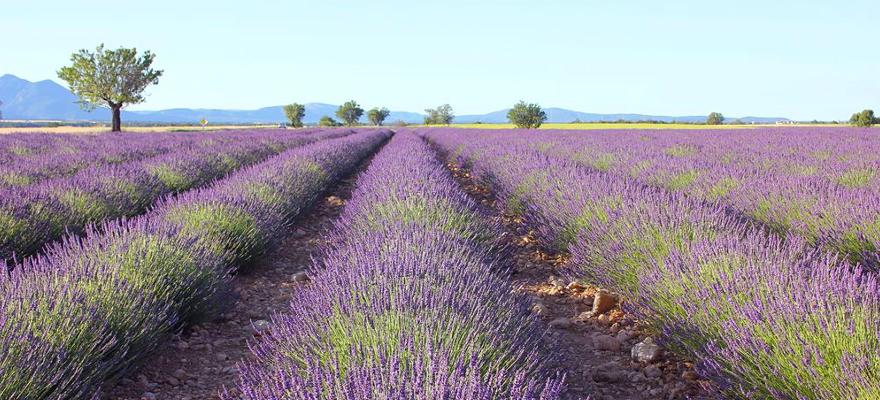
(91,307)
(404,303)
(770,313)
(45,211)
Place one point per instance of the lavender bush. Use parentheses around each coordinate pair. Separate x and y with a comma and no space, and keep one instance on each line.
(43,212)
(404,304)
(822,186)
(91,307)
(768,316)
(30,158)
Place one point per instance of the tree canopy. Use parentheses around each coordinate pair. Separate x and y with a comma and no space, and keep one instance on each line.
(528,116)
(377,115)
(715,119)
(350,112)
(439,116)
(865,118)
(295,113)
(110,78)
(328,121)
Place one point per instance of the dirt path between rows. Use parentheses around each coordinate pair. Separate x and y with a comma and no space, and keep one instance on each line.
(197,363)
(595,347)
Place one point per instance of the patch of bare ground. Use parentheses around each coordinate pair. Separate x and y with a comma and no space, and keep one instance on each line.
(201,360)
(605,353)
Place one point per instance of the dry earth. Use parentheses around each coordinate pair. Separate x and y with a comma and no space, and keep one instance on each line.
(585,323)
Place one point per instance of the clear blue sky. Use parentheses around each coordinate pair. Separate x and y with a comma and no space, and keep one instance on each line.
(799,59)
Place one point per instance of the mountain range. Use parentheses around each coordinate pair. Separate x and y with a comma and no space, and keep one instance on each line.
(47,100)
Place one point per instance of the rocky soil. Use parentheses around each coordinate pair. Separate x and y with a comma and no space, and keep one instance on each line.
(606,354)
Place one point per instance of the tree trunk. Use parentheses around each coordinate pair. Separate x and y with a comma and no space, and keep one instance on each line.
(117,120)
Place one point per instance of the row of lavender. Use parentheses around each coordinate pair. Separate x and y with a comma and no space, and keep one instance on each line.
(404,303)
(26,159)
(766,317)
(90,308)
(821,184)
(38,214)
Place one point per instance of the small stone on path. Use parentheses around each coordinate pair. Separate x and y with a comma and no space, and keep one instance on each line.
(646,351)
(652,371)
(560,323)
(603,301)
(301,277)
(260,326)
(608,372)
(605,342)
(540,309)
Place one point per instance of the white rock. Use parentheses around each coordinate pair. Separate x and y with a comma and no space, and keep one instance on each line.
(260,325)
(646,351)
(301,277)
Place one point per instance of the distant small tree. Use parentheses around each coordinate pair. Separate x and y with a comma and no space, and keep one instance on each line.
(328,121)
(377,115)
(442,115)
(110,78)
(715,119)
(350,112)
(864,119)
(528,116)
(295,113)
(203,122)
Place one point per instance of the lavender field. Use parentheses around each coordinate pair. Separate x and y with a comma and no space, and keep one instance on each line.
(457,264)
(752,252)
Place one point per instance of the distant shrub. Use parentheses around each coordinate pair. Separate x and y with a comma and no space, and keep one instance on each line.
(442,115)
(350,112)
(295,113)
(328,121)
(863,119)
(715,119)
(527,116)
(377,115)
